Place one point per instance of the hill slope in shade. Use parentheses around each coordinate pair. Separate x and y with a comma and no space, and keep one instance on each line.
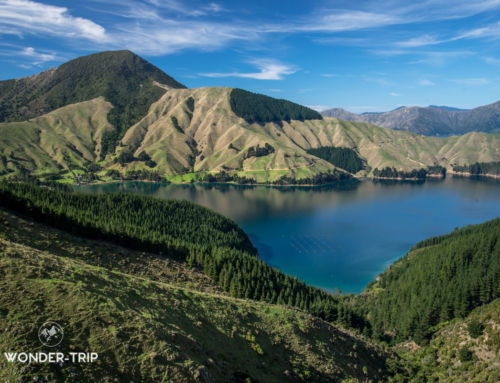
(430,121)
(152,318)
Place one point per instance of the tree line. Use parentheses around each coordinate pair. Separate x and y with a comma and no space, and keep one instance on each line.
(440,279)
(253,107)
(422,173)
(478,168)
(181,230)
(344,158)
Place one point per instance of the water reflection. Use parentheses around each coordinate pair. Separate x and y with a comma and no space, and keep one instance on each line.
(338,236)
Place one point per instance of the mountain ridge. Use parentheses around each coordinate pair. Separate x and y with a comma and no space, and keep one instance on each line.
(149,126)
(430,121)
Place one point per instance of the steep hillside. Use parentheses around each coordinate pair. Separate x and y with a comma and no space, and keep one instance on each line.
(213,138)
(190,132)
(460,351)
(124,79)
(113,115)
(57,142)
(180,230)
(152,318)
(430,121)
(439,279)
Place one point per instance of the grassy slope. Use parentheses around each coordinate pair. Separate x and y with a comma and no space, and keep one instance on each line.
(65,138)
(440,359)
(153,319)
(212,138)
(123,78)
(222,140)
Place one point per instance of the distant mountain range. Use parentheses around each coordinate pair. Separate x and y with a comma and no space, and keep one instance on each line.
(113,114)
(430,121)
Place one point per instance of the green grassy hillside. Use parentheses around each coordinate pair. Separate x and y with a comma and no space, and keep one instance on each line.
(153,319)
(124,79)
(58,143)
(211,138)
(87,107)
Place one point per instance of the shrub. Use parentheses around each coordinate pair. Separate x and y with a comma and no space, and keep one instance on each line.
(475,328)
(465,355)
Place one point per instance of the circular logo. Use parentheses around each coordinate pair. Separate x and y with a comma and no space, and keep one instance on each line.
(50,334)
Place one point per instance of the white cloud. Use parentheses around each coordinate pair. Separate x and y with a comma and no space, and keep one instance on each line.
(349,20)
(318,108)
(419,41)
(29,17)
(492,60)
(394,94)
(268,70)
(329,75)
(38,57)
(158,27)
(425,82)
(479,81)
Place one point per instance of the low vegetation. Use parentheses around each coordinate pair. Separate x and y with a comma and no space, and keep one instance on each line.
(452,354)
(152,319)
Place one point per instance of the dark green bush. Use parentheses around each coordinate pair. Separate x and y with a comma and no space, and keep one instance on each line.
(475,328)
(465,355)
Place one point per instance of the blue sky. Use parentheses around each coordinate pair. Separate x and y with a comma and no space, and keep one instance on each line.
(359,55)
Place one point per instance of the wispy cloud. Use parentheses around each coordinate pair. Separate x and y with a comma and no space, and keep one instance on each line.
(430,57)
(479,81)
(377,80)
(268,70)
(158,27)
(492,60)
(168,36)
(419,41)
(318,108)
(425,82)
(38,57)
(349,20)
(329,75)
(29,17)
(394,94)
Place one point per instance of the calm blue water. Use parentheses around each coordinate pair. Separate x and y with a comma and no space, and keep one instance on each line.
(338,237)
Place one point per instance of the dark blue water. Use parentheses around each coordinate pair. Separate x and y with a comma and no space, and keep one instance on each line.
(338,237)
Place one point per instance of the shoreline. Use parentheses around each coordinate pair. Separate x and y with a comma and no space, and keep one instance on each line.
(470,175)
(339,182)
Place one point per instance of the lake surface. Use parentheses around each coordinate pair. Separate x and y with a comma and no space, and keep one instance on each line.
(337,237)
